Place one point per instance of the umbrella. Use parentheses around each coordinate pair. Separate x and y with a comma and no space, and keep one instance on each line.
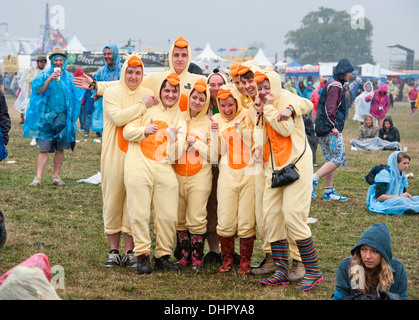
(198,49)
(149,48)
(252,48)
(234,49)
(221,49)
(243,49)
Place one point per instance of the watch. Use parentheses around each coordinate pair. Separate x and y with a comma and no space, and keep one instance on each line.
(290,109)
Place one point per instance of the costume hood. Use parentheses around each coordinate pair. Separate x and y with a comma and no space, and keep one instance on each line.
(234,93)
(124,70)
(182,43)
(201,86)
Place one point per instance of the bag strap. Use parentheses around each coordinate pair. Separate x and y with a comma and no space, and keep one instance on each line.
(272,161)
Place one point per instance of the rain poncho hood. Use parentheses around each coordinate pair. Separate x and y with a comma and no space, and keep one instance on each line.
(362,107)
(52,115)
(105,74)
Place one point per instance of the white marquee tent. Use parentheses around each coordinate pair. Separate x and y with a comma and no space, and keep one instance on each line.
(261,59)
(75,45)
(207,60)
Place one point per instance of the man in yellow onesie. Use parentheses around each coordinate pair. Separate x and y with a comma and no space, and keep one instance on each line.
(156,141)
(121,104)
(286,209)
(194,174)
(236,190)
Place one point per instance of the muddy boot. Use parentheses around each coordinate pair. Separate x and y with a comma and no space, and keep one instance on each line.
(22,118)
(267,266)
(297,271)
(197,251)
(227,249)
(246,250)
(185,248)
(164,264)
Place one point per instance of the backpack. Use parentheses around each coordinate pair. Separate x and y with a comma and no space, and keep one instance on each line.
(373,172)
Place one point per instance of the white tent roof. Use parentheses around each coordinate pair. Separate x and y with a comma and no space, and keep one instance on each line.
(207,55)
(75,45)
(370,70)
(208,60)
(261,58)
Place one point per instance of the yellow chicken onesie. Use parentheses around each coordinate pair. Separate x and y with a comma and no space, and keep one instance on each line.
(287,208)
(236,182)
(194,174)
(120,105)
(151,180)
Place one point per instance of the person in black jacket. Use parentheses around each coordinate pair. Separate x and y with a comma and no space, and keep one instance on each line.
(389,132)
(330,119)
(5,125)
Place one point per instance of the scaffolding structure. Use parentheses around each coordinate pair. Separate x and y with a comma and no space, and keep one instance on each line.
(399,54)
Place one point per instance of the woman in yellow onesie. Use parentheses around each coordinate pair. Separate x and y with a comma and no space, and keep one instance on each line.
(287,208)
(121,104)
(194,174)
(236,182)
(154,143)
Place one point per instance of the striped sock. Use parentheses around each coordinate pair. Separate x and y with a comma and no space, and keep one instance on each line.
(309,258)
(280,256)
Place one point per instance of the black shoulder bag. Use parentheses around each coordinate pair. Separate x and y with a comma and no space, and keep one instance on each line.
(286,175)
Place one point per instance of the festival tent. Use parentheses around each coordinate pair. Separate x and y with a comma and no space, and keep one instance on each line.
(75,45)
(261,58)
(294,64)
(306,70)
(207,60)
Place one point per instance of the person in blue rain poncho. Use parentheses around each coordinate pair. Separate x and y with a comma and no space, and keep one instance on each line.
(109,72)
(52,114)
(388,193)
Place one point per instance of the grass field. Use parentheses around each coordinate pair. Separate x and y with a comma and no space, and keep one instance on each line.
(66,224)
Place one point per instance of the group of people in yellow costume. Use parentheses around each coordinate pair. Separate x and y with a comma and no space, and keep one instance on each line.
(163,135)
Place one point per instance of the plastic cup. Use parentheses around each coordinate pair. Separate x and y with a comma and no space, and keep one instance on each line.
(59,71)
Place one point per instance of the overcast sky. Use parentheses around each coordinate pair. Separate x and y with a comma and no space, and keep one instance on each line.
(221,23)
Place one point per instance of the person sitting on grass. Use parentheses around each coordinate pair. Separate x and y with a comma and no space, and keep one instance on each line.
(371,273)
(388,193)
